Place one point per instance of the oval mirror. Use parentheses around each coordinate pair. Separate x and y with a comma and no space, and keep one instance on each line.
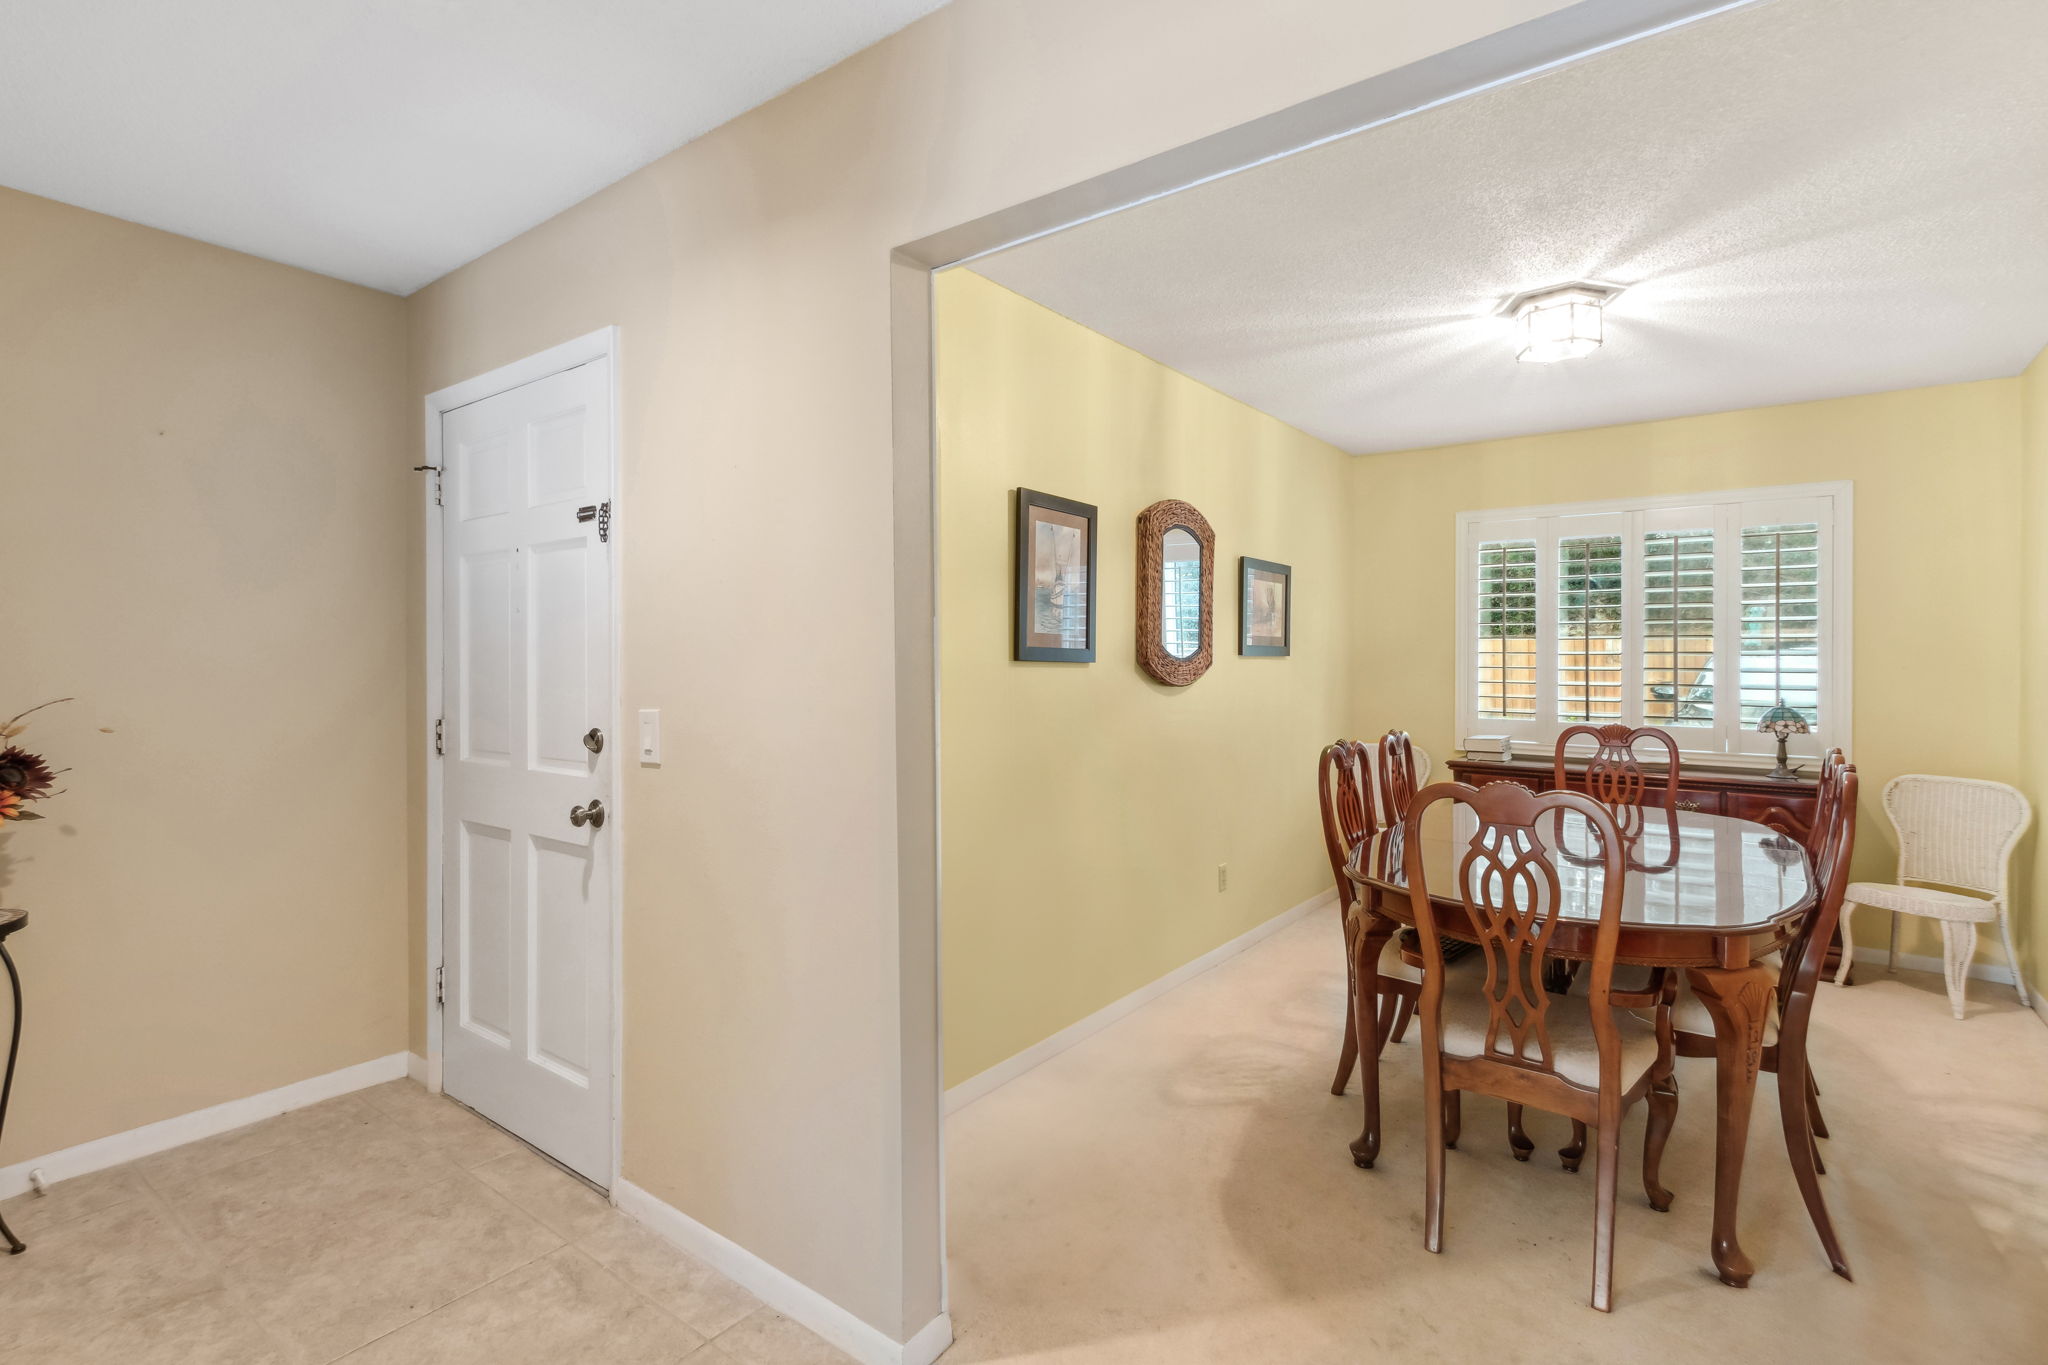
(1176,592)
(1180,593)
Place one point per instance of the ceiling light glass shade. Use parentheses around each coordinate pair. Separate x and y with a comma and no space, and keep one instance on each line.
(1561,325)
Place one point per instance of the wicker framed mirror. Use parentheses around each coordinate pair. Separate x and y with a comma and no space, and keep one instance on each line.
(1176,592)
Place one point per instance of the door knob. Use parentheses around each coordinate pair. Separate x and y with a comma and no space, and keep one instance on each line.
(594,741)
(591,815)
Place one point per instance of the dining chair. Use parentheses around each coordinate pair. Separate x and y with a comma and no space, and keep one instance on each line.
(1614,776)
(1403,768)
(1824,796)
(1501,1033)
(1790,1011)
(1953,831)
(1344,782)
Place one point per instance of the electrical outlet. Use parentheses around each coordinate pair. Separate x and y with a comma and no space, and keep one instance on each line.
(1223,876)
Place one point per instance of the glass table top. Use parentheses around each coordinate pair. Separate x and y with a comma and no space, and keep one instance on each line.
(1687,871)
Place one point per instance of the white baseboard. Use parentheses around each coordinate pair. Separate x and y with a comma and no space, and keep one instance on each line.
(1979,971)
(1003,1072)
(781,1291)
(420,1070)
(929,1344)
(165,1134)
(1916,962)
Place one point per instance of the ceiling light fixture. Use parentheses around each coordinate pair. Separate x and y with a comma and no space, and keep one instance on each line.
(1561,322)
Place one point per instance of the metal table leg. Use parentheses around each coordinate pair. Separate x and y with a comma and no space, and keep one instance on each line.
(15,1245)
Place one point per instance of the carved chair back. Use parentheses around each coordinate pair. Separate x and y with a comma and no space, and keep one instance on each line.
(1824,793)
(1615,776)
(1397,774)
(1343,779)
(1805,955)
(1509,885)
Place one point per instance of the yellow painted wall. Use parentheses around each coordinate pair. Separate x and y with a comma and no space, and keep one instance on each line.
(1081,837)
(2032,926)
(1086,806)
(1939,619)
(203,466)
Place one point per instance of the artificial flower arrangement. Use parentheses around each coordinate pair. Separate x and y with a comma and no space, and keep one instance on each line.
(24,777)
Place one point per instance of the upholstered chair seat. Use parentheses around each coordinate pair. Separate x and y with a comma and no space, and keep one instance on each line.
(1574,1055)
(1394,965)
(1689,1012)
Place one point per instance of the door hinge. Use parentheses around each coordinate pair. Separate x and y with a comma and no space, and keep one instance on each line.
(435,470)
(604,520)
(440,986)
(439,748)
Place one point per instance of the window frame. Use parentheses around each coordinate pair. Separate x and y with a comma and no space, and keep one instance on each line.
(1727,742)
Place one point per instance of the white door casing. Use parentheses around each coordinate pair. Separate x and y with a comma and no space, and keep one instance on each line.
(527,673)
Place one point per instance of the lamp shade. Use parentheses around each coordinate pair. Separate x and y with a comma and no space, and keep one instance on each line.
(1782,721)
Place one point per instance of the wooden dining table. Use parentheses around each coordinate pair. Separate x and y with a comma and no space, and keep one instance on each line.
(1709,894)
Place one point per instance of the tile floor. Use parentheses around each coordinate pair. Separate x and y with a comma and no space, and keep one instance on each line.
(386,1227)
(1177,1189)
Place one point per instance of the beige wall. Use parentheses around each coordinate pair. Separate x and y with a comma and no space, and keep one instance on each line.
(1086,806)
(2032,926)
(202,464)
(764,1037)
(1938,538)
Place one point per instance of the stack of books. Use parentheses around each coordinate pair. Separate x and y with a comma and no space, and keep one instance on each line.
(1489,746)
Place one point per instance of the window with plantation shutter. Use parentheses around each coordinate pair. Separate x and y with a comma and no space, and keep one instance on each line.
(1781,620)
(1694,614)
(1504,659)
(1678,627)
(1589,630)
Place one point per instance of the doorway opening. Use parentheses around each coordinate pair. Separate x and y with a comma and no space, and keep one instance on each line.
(933,553)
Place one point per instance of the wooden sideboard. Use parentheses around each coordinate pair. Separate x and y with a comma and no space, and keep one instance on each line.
(1787,807)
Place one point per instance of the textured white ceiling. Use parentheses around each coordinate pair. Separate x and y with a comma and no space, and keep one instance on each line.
(1809,198)
(385,141)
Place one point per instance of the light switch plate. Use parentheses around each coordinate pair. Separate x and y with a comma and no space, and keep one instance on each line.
(650,736)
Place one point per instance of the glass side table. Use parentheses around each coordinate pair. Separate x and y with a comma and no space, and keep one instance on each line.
(10,921)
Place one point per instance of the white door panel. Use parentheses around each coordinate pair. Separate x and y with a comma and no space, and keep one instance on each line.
(527,893)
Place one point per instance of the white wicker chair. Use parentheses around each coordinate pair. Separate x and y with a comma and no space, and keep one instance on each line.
(1953,831)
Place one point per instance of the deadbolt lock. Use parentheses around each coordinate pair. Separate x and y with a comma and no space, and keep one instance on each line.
(594,741)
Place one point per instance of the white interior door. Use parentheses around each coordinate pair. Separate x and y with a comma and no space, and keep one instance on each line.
(527,862)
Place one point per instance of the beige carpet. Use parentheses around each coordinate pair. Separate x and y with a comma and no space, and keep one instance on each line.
(1177,1189)
(390,1227)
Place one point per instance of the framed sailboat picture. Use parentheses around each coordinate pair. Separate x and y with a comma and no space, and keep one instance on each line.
(1055,588)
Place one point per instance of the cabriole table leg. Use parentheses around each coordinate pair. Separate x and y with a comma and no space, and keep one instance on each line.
(1365,1017)
(1739,999)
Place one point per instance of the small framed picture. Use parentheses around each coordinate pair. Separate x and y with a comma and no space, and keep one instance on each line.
(1265,608)
(1055,579)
